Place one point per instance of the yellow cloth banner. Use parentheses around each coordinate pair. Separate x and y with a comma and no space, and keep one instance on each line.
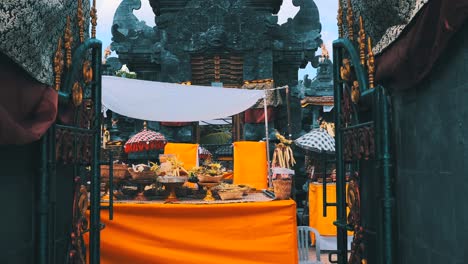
(187,153)
(324,225)
(236,233)
(250,164)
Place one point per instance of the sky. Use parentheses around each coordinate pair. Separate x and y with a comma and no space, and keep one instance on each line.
(327,10)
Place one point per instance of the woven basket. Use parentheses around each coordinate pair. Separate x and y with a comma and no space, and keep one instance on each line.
(282,189)
(120,171)
(209,178)
(245,189)
(144,175)
(231,195)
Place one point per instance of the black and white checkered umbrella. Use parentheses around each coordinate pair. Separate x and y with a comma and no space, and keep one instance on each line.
(317,140)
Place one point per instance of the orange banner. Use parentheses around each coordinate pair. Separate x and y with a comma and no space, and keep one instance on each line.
(187,153)
(250,164)
(237,233)
(324,225)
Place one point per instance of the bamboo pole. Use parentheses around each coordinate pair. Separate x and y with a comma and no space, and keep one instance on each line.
(270,183)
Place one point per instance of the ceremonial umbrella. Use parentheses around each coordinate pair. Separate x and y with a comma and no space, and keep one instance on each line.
(203,153)
(145,140)
(317,140)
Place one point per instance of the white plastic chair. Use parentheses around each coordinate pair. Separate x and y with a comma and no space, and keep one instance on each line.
(303,238)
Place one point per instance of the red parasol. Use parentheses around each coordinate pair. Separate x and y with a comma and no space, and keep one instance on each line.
(203,153)
(144,141)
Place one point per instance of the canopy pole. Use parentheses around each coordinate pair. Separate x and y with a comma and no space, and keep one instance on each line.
(270,183)
(288,108)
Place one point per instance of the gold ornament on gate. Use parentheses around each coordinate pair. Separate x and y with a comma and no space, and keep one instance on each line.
(355,93)
(80,19)
(87,72)
(77,94)
(68,38)
(58,64)
(340,19)
(93,15)
(362,42)
(345,70)
(370,63)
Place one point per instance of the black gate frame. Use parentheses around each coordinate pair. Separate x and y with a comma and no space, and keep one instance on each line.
(78,133)
(371,113)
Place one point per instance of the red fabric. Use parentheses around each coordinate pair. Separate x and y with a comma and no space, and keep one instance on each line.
(144,146)
(27,107)
(175,124)
(257,115)
(411,58)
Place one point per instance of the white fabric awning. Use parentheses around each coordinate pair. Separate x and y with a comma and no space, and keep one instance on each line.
(169,102)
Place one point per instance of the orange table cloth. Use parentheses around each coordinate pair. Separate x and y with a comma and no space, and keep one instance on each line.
(237,233)
(324,225)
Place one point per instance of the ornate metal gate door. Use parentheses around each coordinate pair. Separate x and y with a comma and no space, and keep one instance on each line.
(71,158)
(362,155)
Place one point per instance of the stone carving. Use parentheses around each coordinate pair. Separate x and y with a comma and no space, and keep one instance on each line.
(207,28)
(126,25)
(129,33)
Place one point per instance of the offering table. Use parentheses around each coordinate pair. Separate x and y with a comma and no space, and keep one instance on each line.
(237,233)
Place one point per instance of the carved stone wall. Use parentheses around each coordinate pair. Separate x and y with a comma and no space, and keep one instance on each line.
(243,33)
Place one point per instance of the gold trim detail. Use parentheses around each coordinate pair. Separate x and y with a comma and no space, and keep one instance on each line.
(77,94)
(355,93)
(345,70)
(349,18)
(362,42)
(340,20)
(87,72)
(93,14)
(80,20)
(68,38)
(370,63)
(58,64)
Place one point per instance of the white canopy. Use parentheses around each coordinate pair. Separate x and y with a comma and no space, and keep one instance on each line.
(168,102)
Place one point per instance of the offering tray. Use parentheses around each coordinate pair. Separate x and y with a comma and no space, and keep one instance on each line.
(171,182)
(226,187)
(141,183)
(172,179)
(233,194)
(208,186)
